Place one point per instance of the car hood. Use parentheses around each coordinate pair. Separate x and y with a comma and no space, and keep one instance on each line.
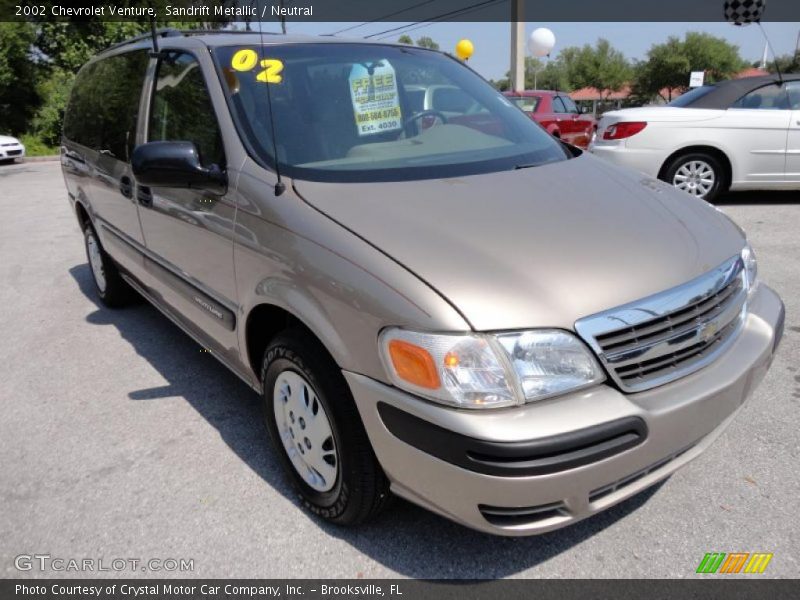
(662,114)
(7,139)
(536,247)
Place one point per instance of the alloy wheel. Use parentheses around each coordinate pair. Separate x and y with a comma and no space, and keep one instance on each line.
(696,177)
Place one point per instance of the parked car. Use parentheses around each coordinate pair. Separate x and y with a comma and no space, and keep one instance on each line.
(496,326)
(10,149)
(742,134)
(558,114)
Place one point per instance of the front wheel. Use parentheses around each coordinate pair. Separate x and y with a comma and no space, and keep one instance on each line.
(698,174)
(111,288)
(316,429)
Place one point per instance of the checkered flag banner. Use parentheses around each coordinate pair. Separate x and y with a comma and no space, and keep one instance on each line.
(744,12)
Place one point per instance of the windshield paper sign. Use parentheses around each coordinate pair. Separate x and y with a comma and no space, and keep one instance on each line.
(376,104)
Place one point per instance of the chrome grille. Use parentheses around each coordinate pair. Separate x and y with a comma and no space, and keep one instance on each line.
(669,335)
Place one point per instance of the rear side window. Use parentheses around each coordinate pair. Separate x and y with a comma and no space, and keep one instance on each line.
(769,97)
(182,111)
(569,104)
(793,91)
(104,105)
(558,105)
(526,103)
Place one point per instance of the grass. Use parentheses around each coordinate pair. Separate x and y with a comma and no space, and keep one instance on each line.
(35,147)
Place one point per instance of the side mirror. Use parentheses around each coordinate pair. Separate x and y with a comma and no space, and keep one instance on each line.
(177,165)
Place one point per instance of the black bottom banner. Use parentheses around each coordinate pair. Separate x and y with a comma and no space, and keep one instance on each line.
(399,589)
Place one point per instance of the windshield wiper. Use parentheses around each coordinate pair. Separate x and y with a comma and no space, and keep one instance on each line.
(526,166)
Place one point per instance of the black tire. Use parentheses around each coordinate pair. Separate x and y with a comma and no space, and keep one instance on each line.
(361,489)
(114,292)
(720,176)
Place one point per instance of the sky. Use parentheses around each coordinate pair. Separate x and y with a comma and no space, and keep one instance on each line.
(492,45)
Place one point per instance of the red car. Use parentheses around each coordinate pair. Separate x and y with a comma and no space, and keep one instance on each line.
(558,114)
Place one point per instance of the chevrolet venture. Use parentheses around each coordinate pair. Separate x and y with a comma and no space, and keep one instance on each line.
(447,303)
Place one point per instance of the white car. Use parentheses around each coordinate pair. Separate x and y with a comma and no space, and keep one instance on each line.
(10,148)
(739,134)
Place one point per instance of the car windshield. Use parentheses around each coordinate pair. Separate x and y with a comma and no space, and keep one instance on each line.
(370,112)
(686,100)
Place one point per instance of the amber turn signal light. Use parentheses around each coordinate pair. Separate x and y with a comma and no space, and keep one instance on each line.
(414,364)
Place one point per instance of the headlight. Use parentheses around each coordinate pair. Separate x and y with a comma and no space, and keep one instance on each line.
(488,371)
(750,268)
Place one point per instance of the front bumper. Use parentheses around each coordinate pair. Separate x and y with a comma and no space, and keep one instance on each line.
(681,420)
(12,151)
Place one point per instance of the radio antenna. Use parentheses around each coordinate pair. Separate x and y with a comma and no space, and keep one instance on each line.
(154,36)
(280,187)
(771,49)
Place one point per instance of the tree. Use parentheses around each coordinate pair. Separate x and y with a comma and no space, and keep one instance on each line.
(38,63)
(669,65)
(718,58)
(426,42)
(787,63)
(666,69)
(405,39)
(602,67)
(18,74)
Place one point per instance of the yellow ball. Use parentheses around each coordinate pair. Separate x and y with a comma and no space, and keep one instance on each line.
(464,49)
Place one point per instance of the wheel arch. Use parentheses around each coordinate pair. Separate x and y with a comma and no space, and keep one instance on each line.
(263,323)
(714,151)
(82,214)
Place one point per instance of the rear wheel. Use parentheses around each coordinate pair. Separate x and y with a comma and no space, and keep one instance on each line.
(699,174)
(316,429)
(111,288)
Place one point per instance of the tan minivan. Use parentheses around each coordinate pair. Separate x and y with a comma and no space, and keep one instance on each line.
(438,301)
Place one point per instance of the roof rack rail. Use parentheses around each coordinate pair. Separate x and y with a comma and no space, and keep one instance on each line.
(163,32)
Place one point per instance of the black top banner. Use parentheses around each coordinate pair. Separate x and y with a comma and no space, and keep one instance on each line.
(211,11)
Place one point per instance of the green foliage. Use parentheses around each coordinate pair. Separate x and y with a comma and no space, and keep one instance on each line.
(36,147)
(787,63)
(54,89)
(38,62)
(69,44)
(669,65)
(405,39)
(426,42)
(600,66)
(18,74)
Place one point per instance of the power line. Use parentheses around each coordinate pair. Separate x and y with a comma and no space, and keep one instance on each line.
(412,26)
(441,17)
(383,18)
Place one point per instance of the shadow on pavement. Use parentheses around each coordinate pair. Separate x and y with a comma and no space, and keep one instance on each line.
(406,539)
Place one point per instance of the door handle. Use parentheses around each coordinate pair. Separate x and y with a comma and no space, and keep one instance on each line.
(144,196)
(126,186)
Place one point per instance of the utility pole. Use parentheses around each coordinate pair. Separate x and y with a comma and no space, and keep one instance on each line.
(517,73)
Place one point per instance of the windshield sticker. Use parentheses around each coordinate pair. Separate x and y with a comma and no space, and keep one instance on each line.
(246,60)
(376,103)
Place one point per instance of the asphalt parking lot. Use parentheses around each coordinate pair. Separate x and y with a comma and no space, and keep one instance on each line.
(121,438)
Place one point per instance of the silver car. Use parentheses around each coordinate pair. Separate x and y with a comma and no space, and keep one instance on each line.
(446,305)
